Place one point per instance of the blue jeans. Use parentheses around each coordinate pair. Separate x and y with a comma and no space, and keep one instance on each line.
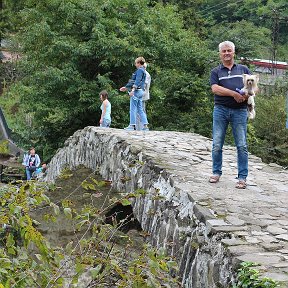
(136,107)
(222,116)
(28,173)
(106,123)
(139,125)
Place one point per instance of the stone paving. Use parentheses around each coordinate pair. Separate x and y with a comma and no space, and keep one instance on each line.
(257,216)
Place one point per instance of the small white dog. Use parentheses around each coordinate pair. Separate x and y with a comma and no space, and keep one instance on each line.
(250,88)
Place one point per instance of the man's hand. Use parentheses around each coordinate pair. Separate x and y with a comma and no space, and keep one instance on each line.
(239,98)
(246,96)
(123,89)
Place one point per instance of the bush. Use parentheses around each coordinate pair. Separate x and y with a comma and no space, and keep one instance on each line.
(270,130)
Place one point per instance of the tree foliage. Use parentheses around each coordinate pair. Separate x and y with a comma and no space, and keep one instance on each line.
(270,131)
(263,16)
(249,39)
(74,49)
(71,50)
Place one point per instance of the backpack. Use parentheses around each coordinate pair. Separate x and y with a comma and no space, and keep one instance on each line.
(146,95)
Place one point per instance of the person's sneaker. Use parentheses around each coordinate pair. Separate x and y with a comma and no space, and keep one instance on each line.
(145,129)
(130,128)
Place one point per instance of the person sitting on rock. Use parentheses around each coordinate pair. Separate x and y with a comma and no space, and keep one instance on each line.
(31,161)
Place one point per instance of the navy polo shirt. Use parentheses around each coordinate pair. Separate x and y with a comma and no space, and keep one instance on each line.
(230,79)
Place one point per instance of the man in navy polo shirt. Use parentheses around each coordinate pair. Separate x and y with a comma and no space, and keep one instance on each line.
(229,107)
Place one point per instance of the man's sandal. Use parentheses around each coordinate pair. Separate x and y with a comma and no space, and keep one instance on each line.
(241,184)
(214,178)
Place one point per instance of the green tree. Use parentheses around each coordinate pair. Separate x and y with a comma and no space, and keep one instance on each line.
(190,10)
(9,22)
(250,41)
(3,20)
(271,15)
(74,49)
(275,16)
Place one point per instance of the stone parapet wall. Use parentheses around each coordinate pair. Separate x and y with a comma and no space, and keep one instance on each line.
(198,223)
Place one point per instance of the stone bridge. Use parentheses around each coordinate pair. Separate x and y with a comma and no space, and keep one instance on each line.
(209,228)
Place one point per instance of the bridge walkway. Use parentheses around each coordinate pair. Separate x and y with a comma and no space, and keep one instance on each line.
(257,216)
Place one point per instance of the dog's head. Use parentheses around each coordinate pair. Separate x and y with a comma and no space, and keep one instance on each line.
(250,80)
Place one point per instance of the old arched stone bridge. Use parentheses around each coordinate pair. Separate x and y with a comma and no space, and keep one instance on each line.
(209,228)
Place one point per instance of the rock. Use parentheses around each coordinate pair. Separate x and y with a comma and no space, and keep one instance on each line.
(275,230)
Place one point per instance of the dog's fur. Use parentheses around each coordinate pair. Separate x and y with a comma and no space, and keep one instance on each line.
(250,88)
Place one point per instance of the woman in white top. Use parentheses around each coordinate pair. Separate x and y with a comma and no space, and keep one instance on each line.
(105,120)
